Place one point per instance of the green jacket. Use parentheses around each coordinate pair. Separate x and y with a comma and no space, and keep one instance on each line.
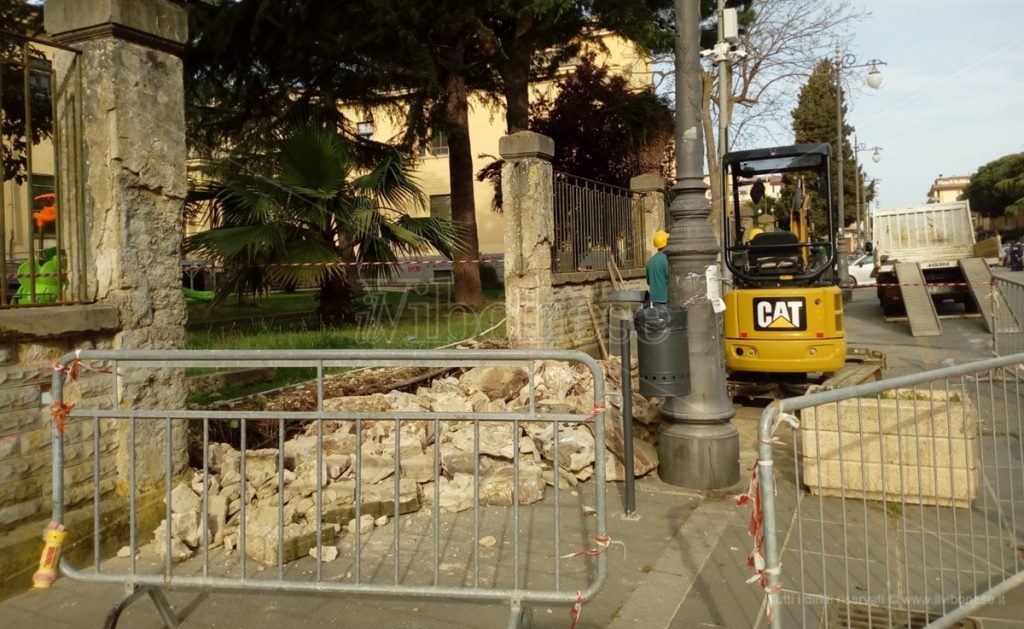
(657,277)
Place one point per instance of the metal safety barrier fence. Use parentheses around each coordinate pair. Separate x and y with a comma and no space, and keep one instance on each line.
(893,503)
(316,470)
(1008,314)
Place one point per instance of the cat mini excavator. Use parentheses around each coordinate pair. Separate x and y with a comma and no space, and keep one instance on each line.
(784,321)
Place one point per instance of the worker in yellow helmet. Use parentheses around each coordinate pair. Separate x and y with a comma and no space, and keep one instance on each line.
(750,234)
(657,270)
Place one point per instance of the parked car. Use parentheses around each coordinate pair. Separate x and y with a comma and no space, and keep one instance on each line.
(860,270)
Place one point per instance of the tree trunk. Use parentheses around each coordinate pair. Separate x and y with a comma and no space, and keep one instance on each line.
(466,269)
(515,74)
(711,154)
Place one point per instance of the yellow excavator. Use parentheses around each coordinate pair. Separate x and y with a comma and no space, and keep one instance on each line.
(784,312)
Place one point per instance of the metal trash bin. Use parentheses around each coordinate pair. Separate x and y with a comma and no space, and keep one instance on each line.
(664,351)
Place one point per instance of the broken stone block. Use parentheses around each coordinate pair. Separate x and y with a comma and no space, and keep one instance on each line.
(179,551)
(335,465)
(218,517)
(365,524)
(260,465)
(197,483)
(554,380)
(419,468)
(456,494)
(183,499)
(497,488)
(575,448)
(375,468)
(497,383)
(498,439)
(327,553)
(378,500)
(261,541)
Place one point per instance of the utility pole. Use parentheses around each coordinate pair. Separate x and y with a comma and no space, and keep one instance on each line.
(698,446)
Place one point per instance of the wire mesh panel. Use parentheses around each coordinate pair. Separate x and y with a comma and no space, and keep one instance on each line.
(896,503)
(595,224)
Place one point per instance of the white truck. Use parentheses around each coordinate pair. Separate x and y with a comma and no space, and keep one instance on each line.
(934,238)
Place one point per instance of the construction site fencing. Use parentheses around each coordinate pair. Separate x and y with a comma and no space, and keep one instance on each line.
(1007,313)
(548,551)
(897,503)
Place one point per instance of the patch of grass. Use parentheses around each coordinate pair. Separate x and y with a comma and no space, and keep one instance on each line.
(894,509)
(272,305)
(421,317)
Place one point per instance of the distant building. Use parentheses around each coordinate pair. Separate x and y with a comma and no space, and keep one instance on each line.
(947,189)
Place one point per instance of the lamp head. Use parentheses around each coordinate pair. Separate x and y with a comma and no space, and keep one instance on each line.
(874,77)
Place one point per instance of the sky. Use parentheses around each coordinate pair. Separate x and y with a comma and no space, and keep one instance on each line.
(952,97)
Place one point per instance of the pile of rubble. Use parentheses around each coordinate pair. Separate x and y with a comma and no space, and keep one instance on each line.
(560,388)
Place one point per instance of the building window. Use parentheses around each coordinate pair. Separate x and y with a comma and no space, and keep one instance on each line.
(365,129)
(441,206)
(438,144)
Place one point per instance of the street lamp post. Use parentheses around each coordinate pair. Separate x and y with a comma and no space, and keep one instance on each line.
(698,447)
(876,157)
(874,79)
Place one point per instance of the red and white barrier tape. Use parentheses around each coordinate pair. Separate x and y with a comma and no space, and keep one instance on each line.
(755,526)
(603,544)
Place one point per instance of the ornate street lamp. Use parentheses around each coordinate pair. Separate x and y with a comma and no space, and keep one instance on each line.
(874,80)
(698,447)
(876,157)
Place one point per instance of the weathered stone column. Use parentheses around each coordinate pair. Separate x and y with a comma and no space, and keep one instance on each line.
(133,138)
(528,205)
(650,187)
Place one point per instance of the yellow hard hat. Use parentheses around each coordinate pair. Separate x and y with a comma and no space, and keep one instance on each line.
(753,232)
(660,239)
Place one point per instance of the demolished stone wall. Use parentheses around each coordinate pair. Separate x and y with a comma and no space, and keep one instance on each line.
(436,461)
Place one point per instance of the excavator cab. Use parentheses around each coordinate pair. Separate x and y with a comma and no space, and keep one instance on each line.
(784,313)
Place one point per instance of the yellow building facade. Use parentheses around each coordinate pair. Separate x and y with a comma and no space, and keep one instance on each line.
(947,189)
(486,127)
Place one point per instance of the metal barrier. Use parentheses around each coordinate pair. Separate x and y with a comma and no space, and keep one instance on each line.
(444,557)
(894,503)
(1008,314)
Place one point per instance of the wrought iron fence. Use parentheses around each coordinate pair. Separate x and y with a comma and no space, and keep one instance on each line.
(893,503)
(595,224)
(42,228)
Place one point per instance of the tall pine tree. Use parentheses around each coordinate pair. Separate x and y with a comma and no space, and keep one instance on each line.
(814,121)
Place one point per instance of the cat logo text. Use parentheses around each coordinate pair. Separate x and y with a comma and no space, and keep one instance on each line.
(780,314)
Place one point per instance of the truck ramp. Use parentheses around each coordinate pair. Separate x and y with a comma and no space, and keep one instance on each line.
(979,280)
(917,301)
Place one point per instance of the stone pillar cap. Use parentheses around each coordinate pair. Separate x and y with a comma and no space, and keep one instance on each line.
(647,182)
(526,144)
(159,24)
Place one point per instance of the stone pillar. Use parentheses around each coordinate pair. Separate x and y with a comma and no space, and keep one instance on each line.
(133,137)
(650,188)
(528,205)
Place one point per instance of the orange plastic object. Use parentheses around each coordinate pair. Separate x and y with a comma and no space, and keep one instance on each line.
(48,213)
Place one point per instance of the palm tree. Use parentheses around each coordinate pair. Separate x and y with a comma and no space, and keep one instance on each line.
(320,208)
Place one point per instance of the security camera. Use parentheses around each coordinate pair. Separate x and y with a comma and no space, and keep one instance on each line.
(707,53)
